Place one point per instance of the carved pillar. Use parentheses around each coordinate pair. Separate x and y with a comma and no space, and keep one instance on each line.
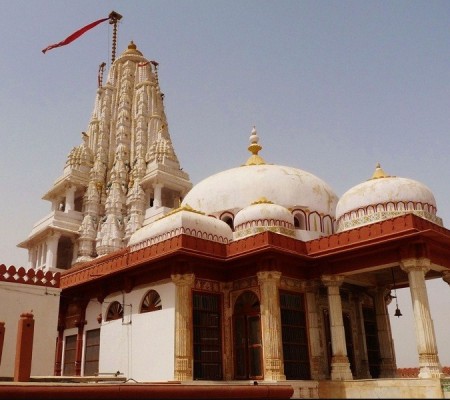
(429,364)
(340,365)
(59,348)
(388,367)
(271,325)
(157,201)
(52,250)
(32,258)
(316,350)
(227,334)
(362,366)
(183,327)
(79,348)
(70,199)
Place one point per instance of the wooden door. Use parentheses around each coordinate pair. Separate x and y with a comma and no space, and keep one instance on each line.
(248,357)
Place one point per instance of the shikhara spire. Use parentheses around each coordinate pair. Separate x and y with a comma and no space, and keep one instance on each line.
(135,166)
(123,176)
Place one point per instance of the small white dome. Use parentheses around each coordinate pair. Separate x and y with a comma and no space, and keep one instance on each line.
(184,220)
(261,216)
(383,197)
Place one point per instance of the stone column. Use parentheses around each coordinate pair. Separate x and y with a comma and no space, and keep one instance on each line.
(340,365)
(70,199)
(429,364)
(316,351)
(157,200)
(225,288)
(59,350)
(388,367)
(32,258)
(362,366)
(24,348)
(183,327)
(52,250)
(271,325)
(79,346)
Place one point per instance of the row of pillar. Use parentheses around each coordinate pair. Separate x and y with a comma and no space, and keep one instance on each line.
(340,366)
(269,283)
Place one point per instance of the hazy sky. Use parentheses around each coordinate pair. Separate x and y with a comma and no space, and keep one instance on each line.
(333,87)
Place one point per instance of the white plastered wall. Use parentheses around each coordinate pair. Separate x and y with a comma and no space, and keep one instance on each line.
(43,303)
(141,346)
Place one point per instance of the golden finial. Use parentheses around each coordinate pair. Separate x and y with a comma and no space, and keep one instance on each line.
(254,148)
(186,207)
(379,173)
(262,200)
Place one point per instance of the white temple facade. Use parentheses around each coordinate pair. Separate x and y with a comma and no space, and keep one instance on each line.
(256,273)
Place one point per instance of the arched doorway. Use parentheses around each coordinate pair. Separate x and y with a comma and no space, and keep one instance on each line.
(248,357)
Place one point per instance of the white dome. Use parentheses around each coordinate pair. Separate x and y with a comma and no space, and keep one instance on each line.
(183,220)
(384,197)
(228,192)
(236,188)
(263,215)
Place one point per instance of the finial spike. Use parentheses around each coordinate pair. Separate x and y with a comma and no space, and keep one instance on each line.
(379,172)
(254,148)
(114,18)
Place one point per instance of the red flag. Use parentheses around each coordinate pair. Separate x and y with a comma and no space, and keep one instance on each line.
(75,35)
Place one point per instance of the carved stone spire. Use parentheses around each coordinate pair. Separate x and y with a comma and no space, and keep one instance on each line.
(129,134)
(123,176)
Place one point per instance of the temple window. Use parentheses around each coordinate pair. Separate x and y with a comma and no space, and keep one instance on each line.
(151,302)
(92,352)
(64,253)
(294,336)
(300,220)
(207,336)
(78,204)
(229,221)
(115,311)
(70,349)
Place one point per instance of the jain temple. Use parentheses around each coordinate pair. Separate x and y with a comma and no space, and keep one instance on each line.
(258,276)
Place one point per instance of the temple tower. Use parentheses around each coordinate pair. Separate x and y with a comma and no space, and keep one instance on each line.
(123,176)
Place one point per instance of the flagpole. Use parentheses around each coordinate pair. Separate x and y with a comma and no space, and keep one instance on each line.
(114,18)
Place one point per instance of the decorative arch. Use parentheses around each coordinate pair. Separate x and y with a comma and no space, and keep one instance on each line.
(151,302)
(390,206)
(247,301)
(315,223)
(300,220)
(115,311)
(228,218)
(248,358)
(328,225)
